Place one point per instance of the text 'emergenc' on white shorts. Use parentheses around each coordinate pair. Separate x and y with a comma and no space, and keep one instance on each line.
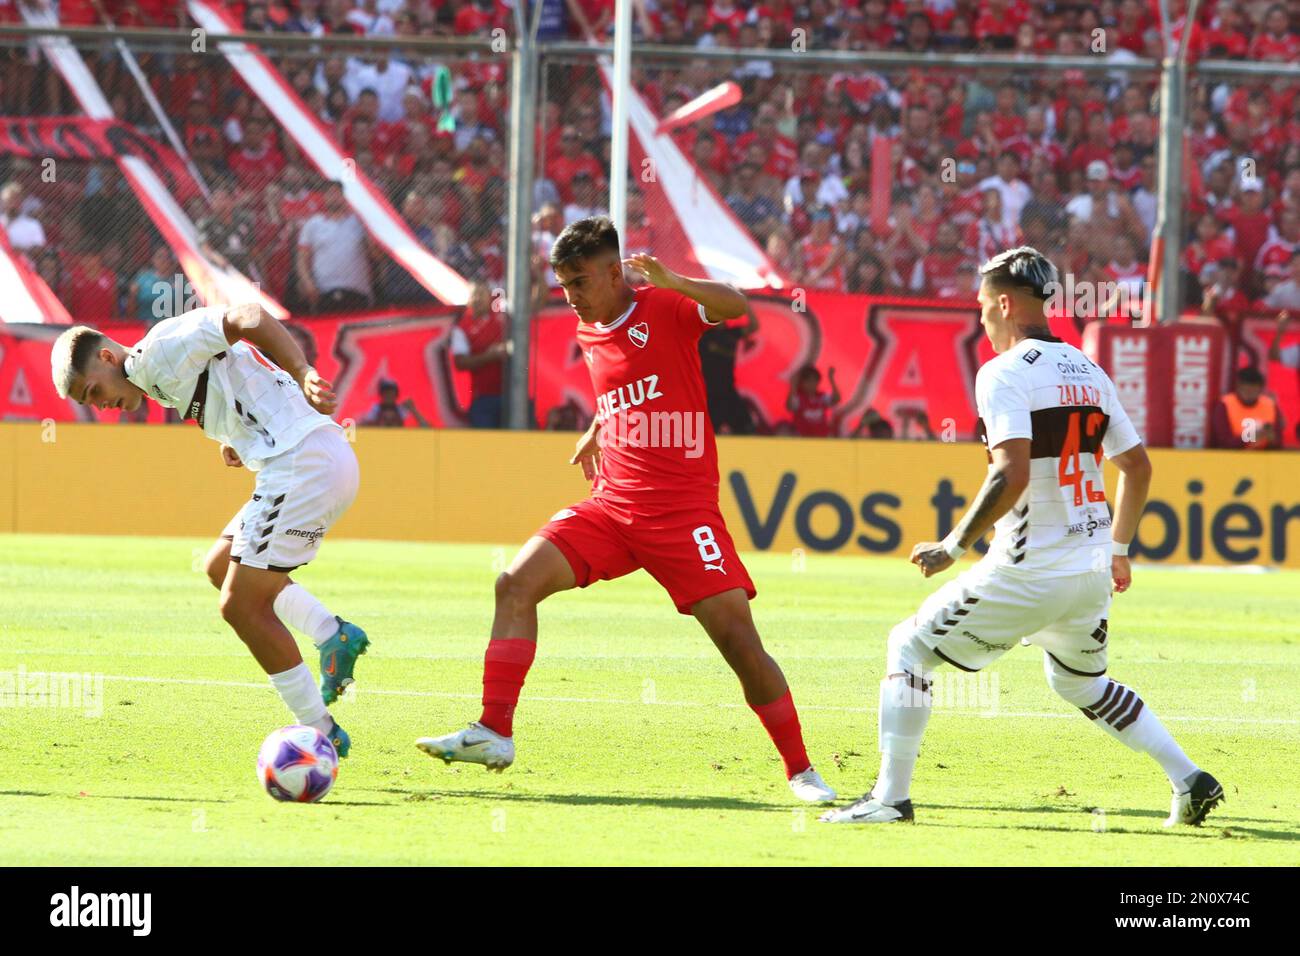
(298,497)
(982,613)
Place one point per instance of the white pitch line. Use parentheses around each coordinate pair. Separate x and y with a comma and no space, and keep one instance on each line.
(447,695)
(867,660)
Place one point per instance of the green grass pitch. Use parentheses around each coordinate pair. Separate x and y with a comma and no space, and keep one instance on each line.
(634,745)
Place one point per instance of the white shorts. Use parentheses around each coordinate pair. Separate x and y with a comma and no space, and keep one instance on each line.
(982,613)
(298,497)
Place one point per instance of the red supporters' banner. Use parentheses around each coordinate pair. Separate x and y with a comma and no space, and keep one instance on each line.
(1168,377)
(352,352)
(891,355)
(888,354)
(83,138)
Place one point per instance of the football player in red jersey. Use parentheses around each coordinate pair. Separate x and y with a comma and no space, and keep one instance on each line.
(654,504)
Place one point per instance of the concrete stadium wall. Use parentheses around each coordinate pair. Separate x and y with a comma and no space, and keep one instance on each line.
(855,497)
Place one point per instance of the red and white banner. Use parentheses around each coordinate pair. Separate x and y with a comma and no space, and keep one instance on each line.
(893,355)
(1168,377)
(321,149)
(83,138)
(212,283)
(24,296)
(702,236)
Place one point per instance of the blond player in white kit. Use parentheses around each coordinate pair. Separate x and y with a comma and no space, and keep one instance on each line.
(1048,416)
(211,365)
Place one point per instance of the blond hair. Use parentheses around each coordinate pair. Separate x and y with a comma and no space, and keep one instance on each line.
(71,352)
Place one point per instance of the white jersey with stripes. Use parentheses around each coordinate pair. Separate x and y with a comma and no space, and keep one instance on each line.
(1051,393)
(237,396)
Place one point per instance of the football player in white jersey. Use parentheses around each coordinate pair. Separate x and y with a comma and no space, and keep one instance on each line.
(1048,416)
(211,365)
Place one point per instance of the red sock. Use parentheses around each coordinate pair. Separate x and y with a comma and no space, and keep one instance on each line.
(505,665)
(781,721)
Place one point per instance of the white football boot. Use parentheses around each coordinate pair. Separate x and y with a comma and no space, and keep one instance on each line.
(474,744)
(809,787)
(870,810)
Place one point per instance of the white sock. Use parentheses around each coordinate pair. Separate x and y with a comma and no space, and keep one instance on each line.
(1150,736)
(299,691)
(298,607)
(1121,712)
(904,712)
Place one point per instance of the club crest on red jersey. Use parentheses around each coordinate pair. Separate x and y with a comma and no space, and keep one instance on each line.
(639,334)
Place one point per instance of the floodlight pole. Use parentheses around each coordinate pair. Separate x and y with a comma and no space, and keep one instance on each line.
(618,141)
(1169,209)
(519,246)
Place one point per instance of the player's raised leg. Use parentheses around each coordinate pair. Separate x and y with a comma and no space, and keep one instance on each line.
(248,605)
(727,619)
(1121,712)
(539,570)
(339,642)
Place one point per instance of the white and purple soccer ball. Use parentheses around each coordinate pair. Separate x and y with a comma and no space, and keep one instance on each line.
(297,764)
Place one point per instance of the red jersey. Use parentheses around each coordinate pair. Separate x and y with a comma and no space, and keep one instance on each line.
(1250,231)
(254,170)
(812,414)
(480,335)
(1198,254)
(657,445)
(92,296)
(1274,257)
(815,256)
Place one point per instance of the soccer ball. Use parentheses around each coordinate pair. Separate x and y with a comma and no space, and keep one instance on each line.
(297,764)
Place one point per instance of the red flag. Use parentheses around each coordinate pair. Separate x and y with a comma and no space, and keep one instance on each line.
(882,182)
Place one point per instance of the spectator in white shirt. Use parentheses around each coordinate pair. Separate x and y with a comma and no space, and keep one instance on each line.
(388,78)
(333,259)
(586,199)
(1015,192)
(25,233)
(368,18)
(1286,294)
(1099,200)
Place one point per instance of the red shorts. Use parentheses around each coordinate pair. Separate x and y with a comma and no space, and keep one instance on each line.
(688,551)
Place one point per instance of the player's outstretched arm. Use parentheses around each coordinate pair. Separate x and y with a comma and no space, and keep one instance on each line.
(721,301)
(258,327)
(1130,498)
(1006,481)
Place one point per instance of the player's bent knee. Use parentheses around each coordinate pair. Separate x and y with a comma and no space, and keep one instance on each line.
(906,653)
(517,589)
(217,562)
(238,608)
(1074,688)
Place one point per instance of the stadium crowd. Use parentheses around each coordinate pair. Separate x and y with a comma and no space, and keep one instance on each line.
(979,160)
(1057,158)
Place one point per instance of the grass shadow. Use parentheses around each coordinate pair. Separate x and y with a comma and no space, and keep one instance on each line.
(109,796)
(593,799)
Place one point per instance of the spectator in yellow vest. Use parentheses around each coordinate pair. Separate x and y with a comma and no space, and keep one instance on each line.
(1246,417)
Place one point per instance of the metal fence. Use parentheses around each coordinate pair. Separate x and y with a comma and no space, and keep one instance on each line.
(425,129)
(983,151)
(979,159)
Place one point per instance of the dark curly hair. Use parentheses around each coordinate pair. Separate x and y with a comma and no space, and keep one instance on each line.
(584,239)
